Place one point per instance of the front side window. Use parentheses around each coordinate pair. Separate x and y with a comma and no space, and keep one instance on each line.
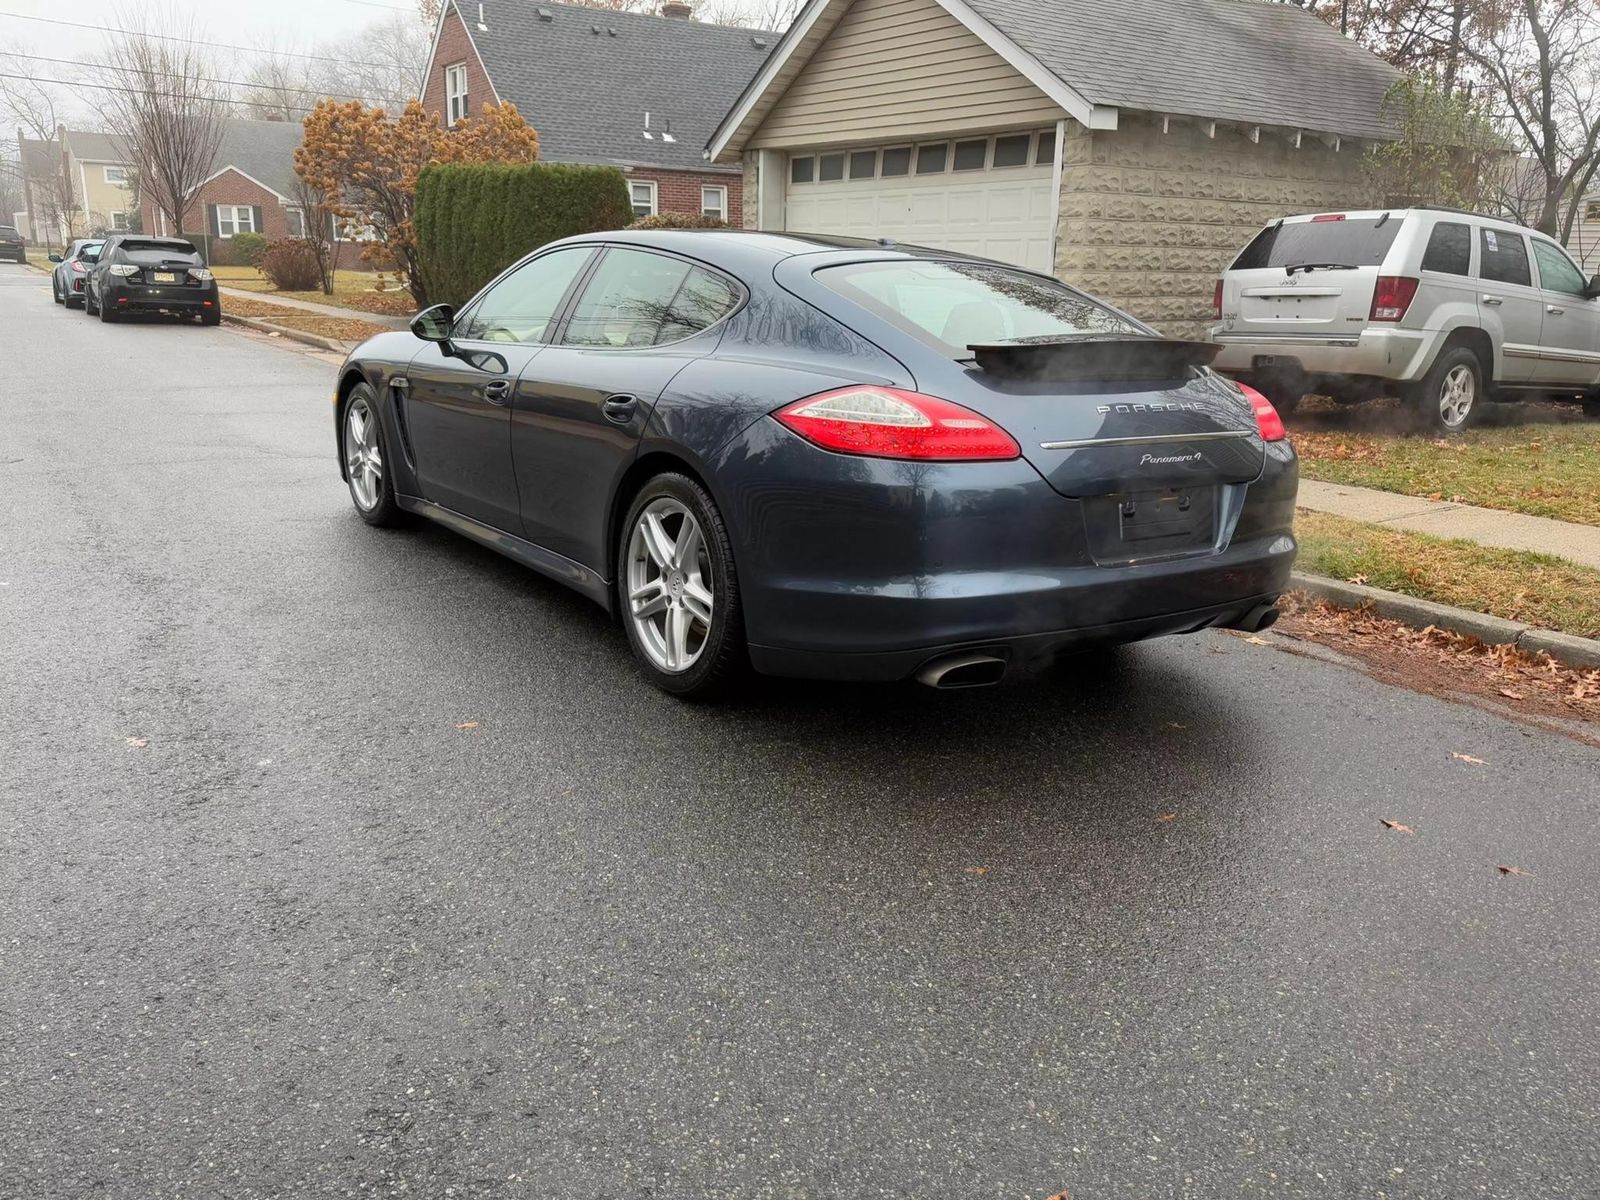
(1556,271)
(1505,257)
(636,298)
(235,218)
(714,202)
(455,91)
(643,193)
(955,305)
(521,306)
(1449,249)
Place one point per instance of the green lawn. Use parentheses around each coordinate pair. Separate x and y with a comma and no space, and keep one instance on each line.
(351,289)
(1543,591)
(1548,466)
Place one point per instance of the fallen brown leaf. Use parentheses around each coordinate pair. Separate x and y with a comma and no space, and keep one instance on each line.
(1468,758)
(138,743)
(1509,694)
(467,725)
(1166,816)
(1176,725)
(1060,1196)
(978,871)
(1357,579)
(1257,641)
(1504,870)
(1396,826)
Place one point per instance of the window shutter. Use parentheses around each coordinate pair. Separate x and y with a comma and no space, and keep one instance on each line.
(213,225)
(255,212)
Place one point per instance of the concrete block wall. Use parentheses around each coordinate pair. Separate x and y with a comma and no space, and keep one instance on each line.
(1149,219)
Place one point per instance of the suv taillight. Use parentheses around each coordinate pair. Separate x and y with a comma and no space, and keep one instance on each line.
(1216,300)
(1392,297)
(885,422)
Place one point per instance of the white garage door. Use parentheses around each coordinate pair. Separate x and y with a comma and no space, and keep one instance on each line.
(988,196)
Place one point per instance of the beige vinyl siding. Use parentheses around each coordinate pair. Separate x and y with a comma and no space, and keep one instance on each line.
(901,69)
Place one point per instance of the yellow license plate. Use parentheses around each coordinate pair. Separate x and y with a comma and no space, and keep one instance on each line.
(166,277)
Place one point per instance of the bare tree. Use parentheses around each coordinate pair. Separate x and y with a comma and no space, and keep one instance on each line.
(382,64)
(167,108)
(1540,64)
(280,85)
(318,213)
(29,107)
(776,15)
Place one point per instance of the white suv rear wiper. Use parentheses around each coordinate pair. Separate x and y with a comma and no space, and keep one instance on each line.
(1316,266)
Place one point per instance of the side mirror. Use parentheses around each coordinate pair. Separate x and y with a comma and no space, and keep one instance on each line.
(434,325)
(55,258)
(1593,289)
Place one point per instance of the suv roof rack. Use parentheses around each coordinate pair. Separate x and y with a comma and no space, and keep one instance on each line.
(1465,212)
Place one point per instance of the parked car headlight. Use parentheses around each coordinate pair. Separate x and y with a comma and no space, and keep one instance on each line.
(123,269)
(201,274)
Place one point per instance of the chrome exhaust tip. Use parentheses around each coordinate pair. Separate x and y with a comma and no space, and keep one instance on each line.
(963,671)
(1262,616)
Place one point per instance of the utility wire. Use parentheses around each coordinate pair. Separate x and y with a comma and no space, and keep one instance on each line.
(126,91)
(163,37)
(243,83)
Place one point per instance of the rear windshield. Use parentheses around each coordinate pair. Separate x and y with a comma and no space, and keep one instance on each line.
(90,250)
(1351,242)
(148,250)
(8,229)
(955,305)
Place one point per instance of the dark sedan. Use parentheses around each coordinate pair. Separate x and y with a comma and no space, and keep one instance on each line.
(12,245)
(72,270)
(141,274)
(828,458)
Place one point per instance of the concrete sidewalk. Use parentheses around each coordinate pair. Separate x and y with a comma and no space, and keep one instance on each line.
(321,310)
(1486,526)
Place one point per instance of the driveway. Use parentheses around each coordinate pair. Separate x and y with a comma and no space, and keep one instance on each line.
(339,862)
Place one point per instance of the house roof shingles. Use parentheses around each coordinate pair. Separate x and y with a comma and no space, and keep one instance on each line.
(89,146)
(263,150)
(1233,60)
(587,93)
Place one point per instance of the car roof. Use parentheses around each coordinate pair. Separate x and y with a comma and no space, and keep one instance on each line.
(1400,214)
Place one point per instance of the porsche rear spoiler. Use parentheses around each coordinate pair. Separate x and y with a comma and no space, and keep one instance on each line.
(1111,358)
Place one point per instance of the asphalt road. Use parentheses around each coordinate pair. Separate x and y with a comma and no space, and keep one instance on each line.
(314,940)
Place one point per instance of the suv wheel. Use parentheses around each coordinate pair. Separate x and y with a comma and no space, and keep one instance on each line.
(1451,398)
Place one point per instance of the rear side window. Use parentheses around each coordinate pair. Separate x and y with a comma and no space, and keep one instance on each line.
(1449,249)
(1556,271)
(1505,257)
(1351,242)
(635,298)
(955,305)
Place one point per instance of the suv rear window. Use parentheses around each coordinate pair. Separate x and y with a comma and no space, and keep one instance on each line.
(1449,249)
(955,305)
(1350,242)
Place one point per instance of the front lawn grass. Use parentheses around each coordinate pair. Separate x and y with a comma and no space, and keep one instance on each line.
(351,289)
(1539,589)
(1549,467)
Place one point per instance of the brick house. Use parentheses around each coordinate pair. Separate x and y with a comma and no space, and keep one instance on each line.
(630,90)
(1131,149)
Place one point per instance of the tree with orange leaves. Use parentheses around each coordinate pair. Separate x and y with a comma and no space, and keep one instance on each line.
(367,164)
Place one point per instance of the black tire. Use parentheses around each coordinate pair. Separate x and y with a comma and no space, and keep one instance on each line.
(722,661)
(214,317)
(88,301)
(108,316)
(383,511)
(1591,406)
(1433,406)
(55,290)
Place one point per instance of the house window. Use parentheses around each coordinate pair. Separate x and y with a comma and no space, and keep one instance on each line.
(117,175)
(119,220)
(644,197)
(455,92)
(1591,211)
(235,218)
(714,202)
(296,219)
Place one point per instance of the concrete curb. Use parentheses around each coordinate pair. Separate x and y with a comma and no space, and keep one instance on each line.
(1582,653)
(293,335)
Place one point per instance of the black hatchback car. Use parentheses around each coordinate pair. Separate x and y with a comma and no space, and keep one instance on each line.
(828,458)
(12,245)
(140,274)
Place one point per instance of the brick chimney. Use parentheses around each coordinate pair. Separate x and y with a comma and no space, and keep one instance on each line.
(676,8)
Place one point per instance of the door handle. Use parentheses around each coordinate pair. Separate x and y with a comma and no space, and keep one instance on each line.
(1553,310)
(497,390)
(1495,300)
(619,409)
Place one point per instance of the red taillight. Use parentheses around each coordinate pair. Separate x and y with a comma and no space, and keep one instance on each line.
(1268,421)
(1329,217)
(1392,297)
(884,422)
(1216,300)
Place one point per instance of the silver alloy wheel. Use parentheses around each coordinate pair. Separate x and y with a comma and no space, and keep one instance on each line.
(1456,396)
(670,596)
(362,460)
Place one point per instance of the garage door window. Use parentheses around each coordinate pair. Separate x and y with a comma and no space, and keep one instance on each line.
(863,164)
(830,167)
(931,159)
(896,161)
(972,156)
(1047,149)
(1012,151)
(802,170)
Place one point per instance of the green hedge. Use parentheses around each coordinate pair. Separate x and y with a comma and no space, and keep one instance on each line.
(474,221)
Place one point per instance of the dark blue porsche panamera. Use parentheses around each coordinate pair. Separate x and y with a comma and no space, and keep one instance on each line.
(828,458)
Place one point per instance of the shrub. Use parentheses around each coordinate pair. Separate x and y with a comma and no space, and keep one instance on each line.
(248,248)
(475,220)
(680,221)
(290,264)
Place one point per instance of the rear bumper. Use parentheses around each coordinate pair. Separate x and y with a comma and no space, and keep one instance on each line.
(1381,353)
(870,568)
(163,299)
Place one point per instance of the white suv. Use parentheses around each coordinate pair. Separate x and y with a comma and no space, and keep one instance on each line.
(1445,308)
